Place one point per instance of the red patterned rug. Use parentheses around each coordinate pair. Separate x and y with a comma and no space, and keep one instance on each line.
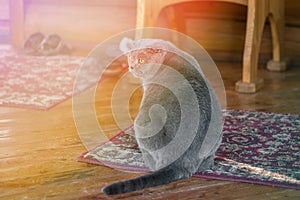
(257,147)
(36,82)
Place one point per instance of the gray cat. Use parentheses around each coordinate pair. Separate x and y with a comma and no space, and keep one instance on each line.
(179,124)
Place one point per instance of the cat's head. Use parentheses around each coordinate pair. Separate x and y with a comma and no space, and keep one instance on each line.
(145,56)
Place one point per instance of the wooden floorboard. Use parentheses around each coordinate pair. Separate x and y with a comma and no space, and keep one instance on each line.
(38,149)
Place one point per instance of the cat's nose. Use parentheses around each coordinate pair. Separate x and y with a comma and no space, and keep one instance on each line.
(130,67)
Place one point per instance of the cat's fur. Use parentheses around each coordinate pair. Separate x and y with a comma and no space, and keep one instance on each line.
(169,113)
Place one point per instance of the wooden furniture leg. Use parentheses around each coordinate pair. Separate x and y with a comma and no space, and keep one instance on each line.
(146,16)
(17,23)
(277,23)
(258,11)
(256,16)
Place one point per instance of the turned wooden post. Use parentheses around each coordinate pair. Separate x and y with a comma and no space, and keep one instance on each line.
(256,17)
(277,21)
(258,12)
(17,29)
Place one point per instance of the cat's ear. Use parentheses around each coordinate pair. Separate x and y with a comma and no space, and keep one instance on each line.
(126,45)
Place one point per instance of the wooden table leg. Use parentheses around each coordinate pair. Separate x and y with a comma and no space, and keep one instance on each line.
(17,23)
(258,11)
(277,20)
(146,17)
(256,16)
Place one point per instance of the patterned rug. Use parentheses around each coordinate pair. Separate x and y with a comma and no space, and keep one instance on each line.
(37,82)
(257,147)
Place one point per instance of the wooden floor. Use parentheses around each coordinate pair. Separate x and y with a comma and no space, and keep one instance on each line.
(38,148)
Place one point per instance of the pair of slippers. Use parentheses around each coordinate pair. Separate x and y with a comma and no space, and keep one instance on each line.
(40,45)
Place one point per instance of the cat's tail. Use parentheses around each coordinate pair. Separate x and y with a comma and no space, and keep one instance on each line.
(160,177)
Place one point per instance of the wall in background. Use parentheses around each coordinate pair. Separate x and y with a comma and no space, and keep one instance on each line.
(219,27)
(292,31)
(4,22)
(4,9)
(82,23)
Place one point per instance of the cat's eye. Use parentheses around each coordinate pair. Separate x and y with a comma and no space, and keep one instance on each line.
(141,61)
